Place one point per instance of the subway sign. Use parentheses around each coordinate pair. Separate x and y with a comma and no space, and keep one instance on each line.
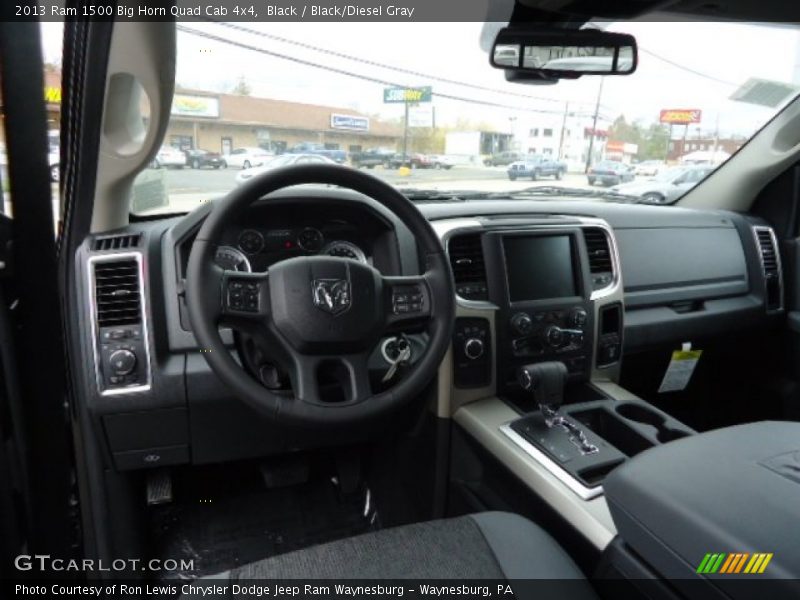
(401,95)
(680,116)
(349,122)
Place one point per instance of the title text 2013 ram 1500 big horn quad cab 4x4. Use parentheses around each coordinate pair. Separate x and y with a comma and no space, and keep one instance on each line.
(421,382)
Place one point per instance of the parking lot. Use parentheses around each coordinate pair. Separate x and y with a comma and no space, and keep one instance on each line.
(189,187)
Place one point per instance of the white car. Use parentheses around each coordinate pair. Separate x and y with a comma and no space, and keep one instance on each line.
(648,168)
(441,161)
(244,158)
(169,157)
(283,160)
(667,186)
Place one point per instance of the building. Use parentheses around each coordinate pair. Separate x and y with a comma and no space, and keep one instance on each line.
(221,122)
(470,146)
(679,147)
(566,137)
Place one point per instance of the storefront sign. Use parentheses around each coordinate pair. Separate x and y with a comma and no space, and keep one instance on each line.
(195,106)
(680,116)
(349,122)
(399,95)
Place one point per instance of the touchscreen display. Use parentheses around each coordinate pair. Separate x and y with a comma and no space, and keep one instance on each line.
(539,267)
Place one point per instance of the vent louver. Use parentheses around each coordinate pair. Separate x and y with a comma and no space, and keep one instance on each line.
(116,242)
(598,249)
(469,270)
(770,264)
(117,293)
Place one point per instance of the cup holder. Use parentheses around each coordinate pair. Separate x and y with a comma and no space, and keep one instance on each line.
(641,414)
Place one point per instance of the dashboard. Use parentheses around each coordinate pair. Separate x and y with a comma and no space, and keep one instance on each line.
(581,282)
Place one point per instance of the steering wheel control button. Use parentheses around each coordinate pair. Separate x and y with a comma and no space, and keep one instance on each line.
(407,299)
(243,295)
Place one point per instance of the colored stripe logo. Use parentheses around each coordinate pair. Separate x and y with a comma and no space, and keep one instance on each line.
(734,562)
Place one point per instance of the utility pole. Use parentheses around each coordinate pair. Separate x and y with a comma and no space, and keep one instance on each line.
(594,125)
(563,127)
(405,133)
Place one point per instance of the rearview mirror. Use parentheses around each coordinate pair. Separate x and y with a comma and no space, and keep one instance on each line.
(564,54)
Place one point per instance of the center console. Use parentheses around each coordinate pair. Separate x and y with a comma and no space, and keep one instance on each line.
(541,284)
(553,288)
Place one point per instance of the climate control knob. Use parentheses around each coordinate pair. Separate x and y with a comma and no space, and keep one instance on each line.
(554,336)
(122,362)
(522,324)
(473,348)
(577,318)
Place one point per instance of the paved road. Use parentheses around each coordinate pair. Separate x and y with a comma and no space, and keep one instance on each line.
(188,188)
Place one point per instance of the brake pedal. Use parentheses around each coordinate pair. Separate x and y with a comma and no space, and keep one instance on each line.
(159,487)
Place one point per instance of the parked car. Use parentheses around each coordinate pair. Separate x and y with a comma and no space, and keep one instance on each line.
(667,186)
(535,166)
(648,167)
(244,158)
(339,156)
(284,160)
(370,158)
(441,161)
(169,157)
(197,159)
(502,159)
(414,161)
(609,172)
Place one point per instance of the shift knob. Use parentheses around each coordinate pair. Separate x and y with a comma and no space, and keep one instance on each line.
(546,380)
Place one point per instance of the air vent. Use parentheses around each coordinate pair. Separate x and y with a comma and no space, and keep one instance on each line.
(117,293)
(117,242)
(770,264)
(599,250)
(469,271)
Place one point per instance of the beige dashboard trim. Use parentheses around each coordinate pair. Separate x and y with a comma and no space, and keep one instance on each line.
(483,421)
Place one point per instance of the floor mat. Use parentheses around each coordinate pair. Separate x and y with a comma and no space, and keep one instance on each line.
(222,531)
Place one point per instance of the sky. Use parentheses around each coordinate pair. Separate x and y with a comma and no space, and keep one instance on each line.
(711,61)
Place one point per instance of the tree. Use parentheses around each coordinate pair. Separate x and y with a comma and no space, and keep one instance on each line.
(654,144)
(242,88)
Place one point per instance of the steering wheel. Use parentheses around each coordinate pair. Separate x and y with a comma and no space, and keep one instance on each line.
(319,314)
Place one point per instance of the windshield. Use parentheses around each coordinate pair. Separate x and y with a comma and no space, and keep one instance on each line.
(426,119)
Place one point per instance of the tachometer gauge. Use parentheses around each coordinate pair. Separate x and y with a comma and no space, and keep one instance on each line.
(310,240)
(251,241)
(344,249)
(231,259)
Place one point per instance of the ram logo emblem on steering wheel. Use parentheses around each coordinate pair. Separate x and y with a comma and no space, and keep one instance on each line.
(331,295)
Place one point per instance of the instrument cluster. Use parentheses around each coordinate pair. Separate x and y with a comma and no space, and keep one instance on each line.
(255,248)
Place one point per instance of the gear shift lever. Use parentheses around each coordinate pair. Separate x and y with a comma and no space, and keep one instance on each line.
(546,380)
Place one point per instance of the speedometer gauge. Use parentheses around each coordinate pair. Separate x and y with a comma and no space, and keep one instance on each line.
(251,241)
(231,259)
(344,249)
(310,240)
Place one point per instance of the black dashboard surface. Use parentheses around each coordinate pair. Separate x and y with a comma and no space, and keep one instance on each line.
(670,257)
(658,245)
